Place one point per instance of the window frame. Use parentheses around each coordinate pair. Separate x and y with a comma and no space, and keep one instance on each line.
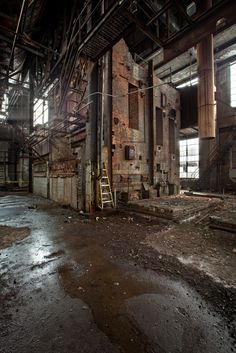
(189,161)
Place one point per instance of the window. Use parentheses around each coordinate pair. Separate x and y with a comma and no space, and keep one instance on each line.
(233,85)
(159,127)
(40,112)
(133,107)
(233,157)
(191,82)
(189,158)
(4,108)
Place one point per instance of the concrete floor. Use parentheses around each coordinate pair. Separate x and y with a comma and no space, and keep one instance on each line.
(74,284)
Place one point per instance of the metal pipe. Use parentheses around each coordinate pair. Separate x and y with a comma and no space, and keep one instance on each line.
(31,127)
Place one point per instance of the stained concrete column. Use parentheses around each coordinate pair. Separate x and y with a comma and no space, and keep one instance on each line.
(206,101)
(206,86)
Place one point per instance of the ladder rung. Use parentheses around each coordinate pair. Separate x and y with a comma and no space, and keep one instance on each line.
(106,193)
(107,201)
(104,185)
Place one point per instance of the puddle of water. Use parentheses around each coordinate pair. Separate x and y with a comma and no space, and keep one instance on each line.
(110,290)
(104,287)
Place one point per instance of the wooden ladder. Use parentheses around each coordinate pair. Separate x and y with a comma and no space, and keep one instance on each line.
(106,197)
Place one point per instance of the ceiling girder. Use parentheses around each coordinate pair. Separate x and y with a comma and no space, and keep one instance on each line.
(21,46)
(143,27)
(192,34)
(218,49)
(161,12)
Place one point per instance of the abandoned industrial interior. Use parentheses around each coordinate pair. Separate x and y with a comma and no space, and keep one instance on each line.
(117,176)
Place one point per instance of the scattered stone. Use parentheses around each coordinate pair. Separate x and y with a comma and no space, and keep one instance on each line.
(32,207)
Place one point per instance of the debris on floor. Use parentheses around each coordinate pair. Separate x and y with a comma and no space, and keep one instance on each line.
(121,283)
(10,235)
(225,222)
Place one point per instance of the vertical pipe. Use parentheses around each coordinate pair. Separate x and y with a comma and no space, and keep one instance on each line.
(31,127)
(150,122)
(108,111)
(92,136)
(99,116)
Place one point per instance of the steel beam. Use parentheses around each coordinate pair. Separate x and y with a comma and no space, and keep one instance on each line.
(24,2)
(111,11)
(192,34)
(183,12)
(21,46)
(143,27)
(161,12)
(217,50)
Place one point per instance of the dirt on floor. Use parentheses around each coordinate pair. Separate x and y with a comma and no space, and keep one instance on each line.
(116,282)
(166,247)
(203,257)
(10,235)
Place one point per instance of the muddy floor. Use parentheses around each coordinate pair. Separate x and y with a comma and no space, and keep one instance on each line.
(112,283)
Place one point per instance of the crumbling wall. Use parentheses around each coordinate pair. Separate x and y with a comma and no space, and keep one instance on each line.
(128,174)
(166,155)
(130,140)
(219,176)
(58,173)
(221,150)
(4,148)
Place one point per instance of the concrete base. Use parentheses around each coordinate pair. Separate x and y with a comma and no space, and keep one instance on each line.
(176,208)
